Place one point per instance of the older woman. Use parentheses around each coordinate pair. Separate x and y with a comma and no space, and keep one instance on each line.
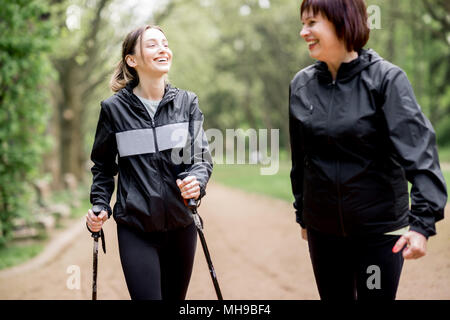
(357,137)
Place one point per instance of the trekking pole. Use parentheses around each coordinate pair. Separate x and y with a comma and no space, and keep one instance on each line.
(192,204)
(96,209)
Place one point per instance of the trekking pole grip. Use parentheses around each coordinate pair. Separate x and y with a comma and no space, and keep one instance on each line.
(96,209)
(190,203)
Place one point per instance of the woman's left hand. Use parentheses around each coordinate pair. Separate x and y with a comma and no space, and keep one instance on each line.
(416,245)
(189,187)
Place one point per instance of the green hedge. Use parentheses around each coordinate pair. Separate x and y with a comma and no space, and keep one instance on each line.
(25,40)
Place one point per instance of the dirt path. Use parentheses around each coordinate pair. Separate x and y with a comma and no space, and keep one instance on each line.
(256,248)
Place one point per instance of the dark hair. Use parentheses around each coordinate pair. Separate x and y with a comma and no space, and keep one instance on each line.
(123,72)
(348,16)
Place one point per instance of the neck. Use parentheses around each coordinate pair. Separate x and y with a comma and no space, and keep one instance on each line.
(333,66)
(151,88)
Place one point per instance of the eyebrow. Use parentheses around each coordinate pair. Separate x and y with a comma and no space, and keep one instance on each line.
(153,39)
(303,20)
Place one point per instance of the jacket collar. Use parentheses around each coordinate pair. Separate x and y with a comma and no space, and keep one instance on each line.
(348,70)
(170,93)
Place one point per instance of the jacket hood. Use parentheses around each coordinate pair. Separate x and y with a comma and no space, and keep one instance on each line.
(348,70)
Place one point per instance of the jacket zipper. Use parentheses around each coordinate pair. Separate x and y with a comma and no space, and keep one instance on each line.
(333,84)
(152,121)
(338,165)
(338,187)
(154,135)
(159,166)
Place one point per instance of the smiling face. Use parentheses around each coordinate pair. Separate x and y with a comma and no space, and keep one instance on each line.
(152,54)
(320,35)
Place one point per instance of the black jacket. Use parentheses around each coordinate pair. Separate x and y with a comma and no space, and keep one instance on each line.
(355,143)
(150,154)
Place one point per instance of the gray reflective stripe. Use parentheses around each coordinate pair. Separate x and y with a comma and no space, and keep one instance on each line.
(199,134)
(135,142)
(172,135)
(201,147)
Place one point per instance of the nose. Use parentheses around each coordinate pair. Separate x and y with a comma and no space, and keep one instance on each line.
(163,50)
(161,47)
(304,32)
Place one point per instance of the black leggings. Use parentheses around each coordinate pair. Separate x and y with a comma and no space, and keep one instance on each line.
(157,265)
(350,268)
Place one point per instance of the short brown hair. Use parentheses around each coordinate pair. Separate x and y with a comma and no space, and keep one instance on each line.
(348,16)
(123,72)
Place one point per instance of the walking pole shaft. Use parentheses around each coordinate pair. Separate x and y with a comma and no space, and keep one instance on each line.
(192,204)
(95,259)
(207,255)
(96,209)
(211,267)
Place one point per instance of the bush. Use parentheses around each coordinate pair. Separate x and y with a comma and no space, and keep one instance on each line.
(24,103)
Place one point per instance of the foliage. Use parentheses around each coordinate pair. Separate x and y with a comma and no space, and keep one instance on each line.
(24,109)
(239,57)
(417,38)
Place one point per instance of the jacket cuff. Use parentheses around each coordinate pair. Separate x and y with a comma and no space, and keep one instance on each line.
(417,224)
(202,192)
(299,219)
(104,207)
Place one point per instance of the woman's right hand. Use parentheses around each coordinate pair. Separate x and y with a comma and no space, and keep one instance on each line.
(94,222)
(304,234)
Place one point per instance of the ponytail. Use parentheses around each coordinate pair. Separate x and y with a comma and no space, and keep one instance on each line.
(122,75)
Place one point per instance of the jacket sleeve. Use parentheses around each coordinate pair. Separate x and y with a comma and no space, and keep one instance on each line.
(297,155)
(200,164)
(414,144)
(103,156)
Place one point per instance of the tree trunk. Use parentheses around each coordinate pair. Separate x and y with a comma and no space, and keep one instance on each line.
(70,109)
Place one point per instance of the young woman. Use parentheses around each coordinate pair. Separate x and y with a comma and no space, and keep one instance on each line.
(357,136)
(155,130)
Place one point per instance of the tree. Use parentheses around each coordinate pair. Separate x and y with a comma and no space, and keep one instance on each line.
(437,46)
(24,107)
(82,66)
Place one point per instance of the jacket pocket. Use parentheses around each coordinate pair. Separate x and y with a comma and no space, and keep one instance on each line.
(304,105)
(135,202)
(399,186)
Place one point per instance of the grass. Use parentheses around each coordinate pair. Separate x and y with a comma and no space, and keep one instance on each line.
(444,154)
(248,178)
(14,254)
(447,178)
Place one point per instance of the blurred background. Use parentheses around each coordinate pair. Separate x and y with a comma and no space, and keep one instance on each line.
(57,56)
